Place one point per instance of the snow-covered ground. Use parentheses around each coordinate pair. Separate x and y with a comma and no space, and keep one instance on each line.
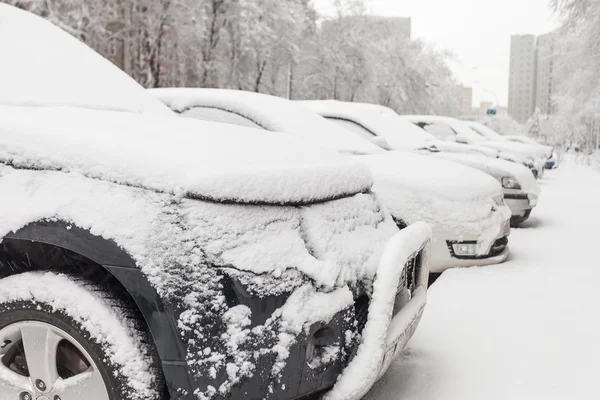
(526,329)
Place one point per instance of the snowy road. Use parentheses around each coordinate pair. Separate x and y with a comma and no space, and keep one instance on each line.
(526,329)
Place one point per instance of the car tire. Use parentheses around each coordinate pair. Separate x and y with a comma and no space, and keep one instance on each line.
(94,339)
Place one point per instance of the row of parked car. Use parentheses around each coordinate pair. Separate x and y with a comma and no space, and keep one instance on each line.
(210,243)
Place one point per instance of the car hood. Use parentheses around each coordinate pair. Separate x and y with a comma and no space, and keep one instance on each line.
(417,187)
(176,155)
(497,168)
(522,150)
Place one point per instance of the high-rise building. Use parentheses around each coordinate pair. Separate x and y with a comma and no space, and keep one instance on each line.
(531,82)
(466,101)
(522,81)
(545,73)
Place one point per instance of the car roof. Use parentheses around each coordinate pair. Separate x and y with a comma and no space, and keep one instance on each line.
(380,120)
(42,65)
(270,112)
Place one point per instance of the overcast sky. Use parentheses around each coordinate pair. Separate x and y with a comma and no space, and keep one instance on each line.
(476,31)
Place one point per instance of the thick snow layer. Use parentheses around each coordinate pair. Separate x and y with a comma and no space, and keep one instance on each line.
(105,325)
(270,112)
(177,155)
(498,141)
(497,168)
(399,132)
(419,188)
(382,121)
(447,195)
(41,65)
(458,126)
(526,329)
(181,245)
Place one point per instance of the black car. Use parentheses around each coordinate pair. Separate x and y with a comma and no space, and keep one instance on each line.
(144,256)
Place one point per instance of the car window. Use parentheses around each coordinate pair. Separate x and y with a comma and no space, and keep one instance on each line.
(439,130)
(478,131)
(354,127)
(218,115)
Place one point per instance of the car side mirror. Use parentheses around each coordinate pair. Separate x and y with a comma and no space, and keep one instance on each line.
(381,142)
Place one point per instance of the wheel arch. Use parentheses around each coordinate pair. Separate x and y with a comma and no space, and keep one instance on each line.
(64,247)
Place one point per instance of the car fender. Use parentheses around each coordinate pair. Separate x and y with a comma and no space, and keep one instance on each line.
(115,261)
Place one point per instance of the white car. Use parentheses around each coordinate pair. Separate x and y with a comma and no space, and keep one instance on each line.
(453,130)
(536,152)
(520,188)
(464,206)
(546,151)
(148,257)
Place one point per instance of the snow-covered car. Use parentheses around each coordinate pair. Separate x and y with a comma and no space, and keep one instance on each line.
(538,153)
(453,130)
(144,257)
(373,121)
(546,151)
(464,206)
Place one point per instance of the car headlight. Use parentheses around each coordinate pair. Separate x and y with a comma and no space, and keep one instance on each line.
(509,182)
(465,249)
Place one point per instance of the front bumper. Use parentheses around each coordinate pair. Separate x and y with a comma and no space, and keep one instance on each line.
(388,327)
(520,205)
(443,257)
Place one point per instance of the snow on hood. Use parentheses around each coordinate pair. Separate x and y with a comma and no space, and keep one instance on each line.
(270,112)
(417,187)
(380,120)
(177,155)
(44,66)
(498,169)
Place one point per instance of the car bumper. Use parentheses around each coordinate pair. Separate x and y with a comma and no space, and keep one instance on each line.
(388,327)
(520,206)
(443,257)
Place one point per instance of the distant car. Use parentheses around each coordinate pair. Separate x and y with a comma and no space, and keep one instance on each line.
(149,257)
(465,207)
(372,121)
(537,153)
(453,130)
(545,151)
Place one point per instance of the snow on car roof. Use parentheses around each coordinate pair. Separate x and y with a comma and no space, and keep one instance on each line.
(380,120)
(44,66)
(458,126)
(177,155)
(272,113)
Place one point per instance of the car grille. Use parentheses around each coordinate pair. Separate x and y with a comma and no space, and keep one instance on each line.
(361,312)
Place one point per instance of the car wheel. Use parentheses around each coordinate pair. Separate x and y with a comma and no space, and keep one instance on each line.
(64,339)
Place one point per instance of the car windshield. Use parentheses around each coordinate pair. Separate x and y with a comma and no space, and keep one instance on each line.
(439,130)
(272,113)
(486,132)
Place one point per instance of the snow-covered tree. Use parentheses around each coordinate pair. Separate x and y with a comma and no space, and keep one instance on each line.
(272,46)
(578,69)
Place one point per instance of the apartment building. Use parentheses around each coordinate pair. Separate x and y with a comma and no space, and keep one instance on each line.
(531,81)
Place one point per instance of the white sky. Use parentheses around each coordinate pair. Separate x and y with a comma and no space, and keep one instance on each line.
(476,31)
